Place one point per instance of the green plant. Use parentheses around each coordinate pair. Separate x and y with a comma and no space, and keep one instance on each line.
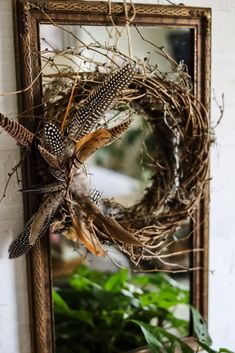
(98,312)
(110,313)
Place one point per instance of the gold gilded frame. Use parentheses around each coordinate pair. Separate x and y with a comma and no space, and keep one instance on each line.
(27,20)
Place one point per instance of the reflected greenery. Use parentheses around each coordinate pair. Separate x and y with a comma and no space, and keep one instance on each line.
(97,312)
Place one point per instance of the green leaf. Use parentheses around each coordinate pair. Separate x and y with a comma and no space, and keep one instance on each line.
(92,275)
(80,283)
(180,324)
(206,347)
(157,337)
(141,280)
(150,336)
(210,350)
(116,281)
(83,315)
(60,305)
(200,327)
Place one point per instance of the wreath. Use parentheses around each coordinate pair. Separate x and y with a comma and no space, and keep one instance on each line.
(179,127)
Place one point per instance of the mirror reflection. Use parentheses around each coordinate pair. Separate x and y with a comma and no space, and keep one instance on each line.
(95,299)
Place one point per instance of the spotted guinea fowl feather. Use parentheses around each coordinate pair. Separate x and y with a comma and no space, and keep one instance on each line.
(21,244)
(53,139)
(53,150)
(95,196)
(97,103)
(22,135)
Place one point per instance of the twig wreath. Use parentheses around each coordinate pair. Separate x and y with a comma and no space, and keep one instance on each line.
(74,127)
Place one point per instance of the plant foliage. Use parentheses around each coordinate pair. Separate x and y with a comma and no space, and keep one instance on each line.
(99,312)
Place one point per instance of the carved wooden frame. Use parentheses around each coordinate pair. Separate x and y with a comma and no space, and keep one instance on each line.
(28,16)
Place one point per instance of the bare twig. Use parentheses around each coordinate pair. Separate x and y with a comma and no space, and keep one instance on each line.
(10,174)
(220,107)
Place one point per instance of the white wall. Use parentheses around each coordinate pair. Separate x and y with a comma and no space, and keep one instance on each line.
(14,327)
(14,318)
(222,210)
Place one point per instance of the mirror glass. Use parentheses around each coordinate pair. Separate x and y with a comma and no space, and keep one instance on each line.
(121,171)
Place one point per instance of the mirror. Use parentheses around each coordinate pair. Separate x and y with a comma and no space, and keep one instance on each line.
(185,35)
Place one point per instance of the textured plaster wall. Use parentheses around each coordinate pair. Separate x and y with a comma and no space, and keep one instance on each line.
(14,322)
(14,318)
(222,210)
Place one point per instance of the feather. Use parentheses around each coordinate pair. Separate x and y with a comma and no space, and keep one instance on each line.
(22,135)
(44,189)
(114,230)
(118,130)
(95,196)
(86,238)
(50,158)
(79,181)
(55,168)
(53,139)
(59,174)
(44,214)
(83,235)
(98,102)
(65,165)
(53,143)
(90,143)
(21,244)
(107,225)
(69,233)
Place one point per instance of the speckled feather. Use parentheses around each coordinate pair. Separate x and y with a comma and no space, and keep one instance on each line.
(53,140)
(118,130)
(95,196)
(45,189)
(53,143)
(21,244)
(44,214)
(99,102)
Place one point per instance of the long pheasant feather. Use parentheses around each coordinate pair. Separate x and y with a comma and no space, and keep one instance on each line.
(86,238)
(22,135)
(44,189)
(107,225)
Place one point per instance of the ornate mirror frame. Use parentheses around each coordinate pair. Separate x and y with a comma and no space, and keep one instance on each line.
(27,21)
